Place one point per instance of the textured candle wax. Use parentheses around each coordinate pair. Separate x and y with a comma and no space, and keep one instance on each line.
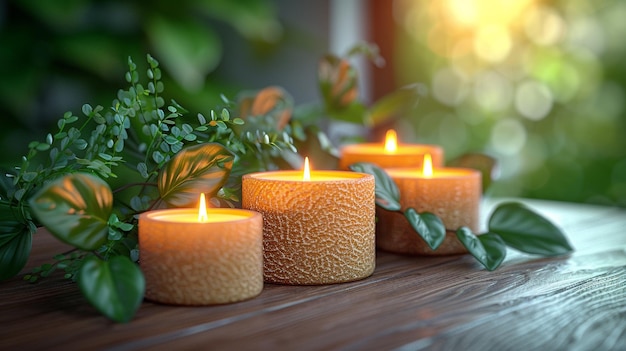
(453,194)
(320,231)
(188,262)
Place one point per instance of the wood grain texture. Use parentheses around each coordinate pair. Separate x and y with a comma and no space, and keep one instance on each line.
(575,302)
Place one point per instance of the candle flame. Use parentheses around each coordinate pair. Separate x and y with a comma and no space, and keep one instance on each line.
(202,213)
(306,174)
(427,166)
(391,141)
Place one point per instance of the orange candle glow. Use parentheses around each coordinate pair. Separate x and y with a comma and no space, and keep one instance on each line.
(453,194)
(390,153)
(201,256)
(315,231)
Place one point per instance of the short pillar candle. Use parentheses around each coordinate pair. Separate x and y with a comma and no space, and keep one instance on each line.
(317,231)
(453,194)
(390,153)
(188,262)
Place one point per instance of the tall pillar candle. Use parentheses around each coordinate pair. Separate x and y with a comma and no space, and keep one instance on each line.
(453,194)
(187,261)
(390,153)
(317,231)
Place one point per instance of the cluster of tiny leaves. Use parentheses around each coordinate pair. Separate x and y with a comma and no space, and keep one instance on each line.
(69,263)
(140,132)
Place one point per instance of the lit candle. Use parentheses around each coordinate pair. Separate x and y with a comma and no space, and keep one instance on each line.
(453,194)
(315,231)
(191,257)
(390,153)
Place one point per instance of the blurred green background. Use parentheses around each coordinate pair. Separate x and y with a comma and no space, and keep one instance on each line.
(57,55)
(539,85)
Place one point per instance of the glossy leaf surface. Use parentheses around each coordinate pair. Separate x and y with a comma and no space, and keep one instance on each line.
(428,226)
(387,193)
(525,230)
(115,287)
(201,168)
(75,209)
(489,248)
(15,245)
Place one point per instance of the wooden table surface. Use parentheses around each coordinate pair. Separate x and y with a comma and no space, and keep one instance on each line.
(575,302)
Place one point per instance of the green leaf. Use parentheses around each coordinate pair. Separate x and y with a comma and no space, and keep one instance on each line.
(393,105)
(15,246)
(527,231)
(387,193)
(75,209)
(489,248)
(115,287)
(428,226)
(202,168)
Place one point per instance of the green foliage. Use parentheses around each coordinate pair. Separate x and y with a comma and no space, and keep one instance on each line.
(75,209)
(114,287)
(338,84)
(511,224)
(428,225)
(489,249)
(527,231)
(16,233)
(201,168)
(151,154)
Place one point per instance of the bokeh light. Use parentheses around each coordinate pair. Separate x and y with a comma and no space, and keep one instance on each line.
(538,85)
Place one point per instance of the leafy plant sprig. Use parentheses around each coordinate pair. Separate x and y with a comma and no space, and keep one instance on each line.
(165,159)
(510,224)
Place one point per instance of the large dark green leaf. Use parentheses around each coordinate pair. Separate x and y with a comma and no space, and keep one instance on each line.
(489,248)
(387,194)
(202,168)
(393,105)
(527,231)
(15,246)
(115,287)
(75,209)
(428,226)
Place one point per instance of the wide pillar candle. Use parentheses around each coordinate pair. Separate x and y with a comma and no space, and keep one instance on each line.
(390,154)
(187,262)
(453,194)
(317,231)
